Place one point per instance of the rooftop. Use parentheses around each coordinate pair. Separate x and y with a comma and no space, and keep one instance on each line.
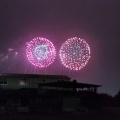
(34,76)
(71,84)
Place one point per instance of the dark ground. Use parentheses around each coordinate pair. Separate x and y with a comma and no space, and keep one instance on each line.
(106,114)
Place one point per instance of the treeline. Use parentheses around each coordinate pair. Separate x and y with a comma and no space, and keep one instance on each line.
(110,101)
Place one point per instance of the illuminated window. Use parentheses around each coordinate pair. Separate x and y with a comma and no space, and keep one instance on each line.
(23,82)
(3,81)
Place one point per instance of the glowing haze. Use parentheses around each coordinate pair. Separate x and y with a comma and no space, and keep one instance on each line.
(40,52)
(74,53)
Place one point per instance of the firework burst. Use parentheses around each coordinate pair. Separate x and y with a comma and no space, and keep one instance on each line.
(40,52)
(74,53)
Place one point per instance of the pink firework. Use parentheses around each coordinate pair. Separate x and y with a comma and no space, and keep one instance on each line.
(74,53)
(40,52)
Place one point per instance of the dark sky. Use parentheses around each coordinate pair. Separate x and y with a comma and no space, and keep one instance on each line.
(96,21)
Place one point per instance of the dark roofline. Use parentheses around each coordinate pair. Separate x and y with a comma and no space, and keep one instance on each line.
(34,76)
(65,84)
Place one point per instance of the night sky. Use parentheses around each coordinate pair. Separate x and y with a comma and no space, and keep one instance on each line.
(96,21)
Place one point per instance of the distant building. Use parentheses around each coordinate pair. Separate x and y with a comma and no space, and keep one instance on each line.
(68,96)
(17,81)
(71,85)
(54,93)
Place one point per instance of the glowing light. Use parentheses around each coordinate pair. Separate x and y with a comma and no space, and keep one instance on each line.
(40,52)
(74,53)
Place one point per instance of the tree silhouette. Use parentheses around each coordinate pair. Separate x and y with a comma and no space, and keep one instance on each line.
(106,99)
(117,99)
